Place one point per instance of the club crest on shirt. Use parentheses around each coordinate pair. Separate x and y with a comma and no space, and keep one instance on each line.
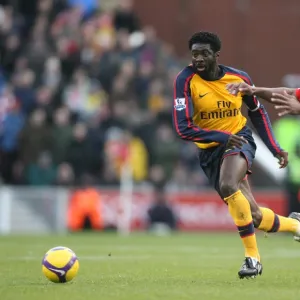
(180,104)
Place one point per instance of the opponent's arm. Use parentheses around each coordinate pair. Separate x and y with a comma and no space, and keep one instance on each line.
(261,92)
(287,104)
(183,117)
(260,119)
(267,93)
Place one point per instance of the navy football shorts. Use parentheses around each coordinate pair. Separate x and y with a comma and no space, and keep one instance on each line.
(211,158)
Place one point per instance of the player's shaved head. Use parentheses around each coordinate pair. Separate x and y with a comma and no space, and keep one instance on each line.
(204,37)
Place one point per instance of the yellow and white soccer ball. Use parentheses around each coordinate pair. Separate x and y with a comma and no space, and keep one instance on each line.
(60,264)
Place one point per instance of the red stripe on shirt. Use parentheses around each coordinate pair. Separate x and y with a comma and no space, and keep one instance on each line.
(270,136)
(175,115)
(187,105)
(185,92)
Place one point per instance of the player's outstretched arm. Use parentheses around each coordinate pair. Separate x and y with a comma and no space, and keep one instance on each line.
(261,92)
(261,121)
(183,115)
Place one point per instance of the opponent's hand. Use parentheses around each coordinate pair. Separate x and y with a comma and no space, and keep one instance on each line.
(282,159)
(287,103)
(242,87)
(236,141)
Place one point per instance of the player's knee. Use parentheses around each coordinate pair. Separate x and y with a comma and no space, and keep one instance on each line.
(257,217)
(228,187)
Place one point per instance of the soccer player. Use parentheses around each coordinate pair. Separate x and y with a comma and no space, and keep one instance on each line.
(208,115)
(285,99)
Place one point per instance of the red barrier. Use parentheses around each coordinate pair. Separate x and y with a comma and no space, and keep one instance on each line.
(196,211)
(206,211)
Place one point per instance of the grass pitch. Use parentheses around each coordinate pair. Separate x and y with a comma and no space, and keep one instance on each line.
(194,266)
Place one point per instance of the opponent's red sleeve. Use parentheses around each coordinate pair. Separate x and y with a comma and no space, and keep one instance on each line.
(297,93)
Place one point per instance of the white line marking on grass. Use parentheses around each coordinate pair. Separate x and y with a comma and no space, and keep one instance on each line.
(140,248)
(200,256)
(86,258)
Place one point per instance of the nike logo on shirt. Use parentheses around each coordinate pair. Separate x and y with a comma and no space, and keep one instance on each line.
(201,96)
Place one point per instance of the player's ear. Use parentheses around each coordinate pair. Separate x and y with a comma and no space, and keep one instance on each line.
(217,53)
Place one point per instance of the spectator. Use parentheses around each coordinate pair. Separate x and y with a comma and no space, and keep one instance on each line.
(121,148)
(18,176)
(42,172)
(157,176)
(156,96)
(65,175)
(150,48)
(69,55)
(52,75)
(162,218)
(125,18)
(79,153)
(61,135)
(7,99)
(10,52)
(84,96)
(37,52)
(35,137)
(137,157)
(123,85)
(143,81)
(45,100)
(24,90)
(12,125)
(167,149)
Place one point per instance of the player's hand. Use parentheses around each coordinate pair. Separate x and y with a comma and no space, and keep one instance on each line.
(287,103)
(240,87)
(236,141)
(283,159)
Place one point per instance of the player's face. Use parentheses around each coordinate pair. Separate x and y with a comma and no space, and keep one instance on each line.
(203,58)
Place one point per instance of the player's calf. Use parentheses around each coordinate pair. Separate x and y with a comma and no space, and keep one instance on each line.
(255,210)
(256,216)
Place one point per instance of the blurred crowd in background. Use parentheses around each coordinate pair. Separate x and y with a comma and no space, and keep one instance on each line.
(84,91)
